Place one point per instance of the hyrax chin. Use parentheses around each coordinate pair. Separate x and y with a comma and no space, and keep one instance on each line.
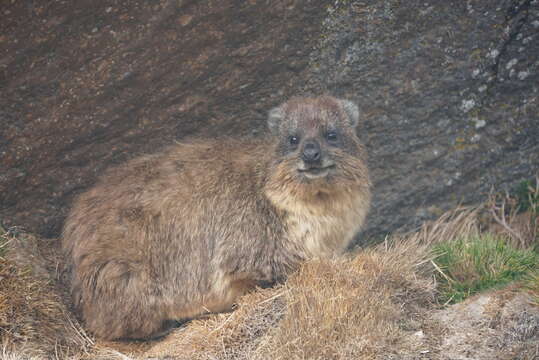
(184,232)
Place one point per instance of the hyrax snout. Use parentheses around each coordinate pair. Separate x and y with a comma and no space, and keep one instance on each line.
(173,235)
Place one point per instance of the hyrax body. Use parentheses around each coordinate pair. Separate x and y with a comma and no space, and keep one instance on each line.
(185,232)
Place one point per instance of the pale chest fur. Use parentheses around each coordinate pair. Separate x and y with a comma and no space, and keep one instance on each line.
(325,229)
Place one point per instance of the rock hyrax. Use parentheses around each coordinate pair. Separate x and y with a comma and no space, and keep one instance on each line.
(173,235)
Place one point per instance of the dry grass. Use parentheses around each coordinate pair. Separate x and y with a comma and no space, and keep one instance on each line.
(232,335)
(461,222)
(517,216)
(5,354)
(350,308)
(34,321)
(531,284)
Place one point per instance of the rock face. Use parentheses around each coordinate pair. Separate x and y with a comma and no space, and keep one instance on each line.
(91,84)
(450,95)
(449,91)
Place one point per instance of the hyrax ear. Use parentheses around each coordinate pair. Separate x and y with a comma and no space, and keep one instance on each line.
(352,110)
(275,116)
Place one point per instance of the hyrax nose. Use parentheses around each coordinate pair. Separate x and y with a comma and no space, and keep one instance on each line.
(311,152)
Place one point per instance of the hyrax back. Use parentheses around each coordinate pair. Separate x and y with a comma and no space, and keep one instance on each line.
(171,236)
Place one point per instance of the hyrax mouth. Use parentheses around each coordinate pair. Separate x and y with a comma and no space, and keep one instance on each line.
(313,172)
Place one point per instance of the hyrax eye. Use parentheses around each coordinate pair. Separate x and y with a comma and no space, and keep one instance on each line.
(294,140)
(331,136)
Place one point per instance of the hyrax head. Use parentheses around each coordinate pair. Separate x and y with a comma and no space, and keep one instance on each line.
(317,141)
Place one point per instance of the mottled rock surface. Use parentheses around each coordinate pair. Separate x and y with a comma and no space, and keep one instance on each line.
(449,91)
(450,96)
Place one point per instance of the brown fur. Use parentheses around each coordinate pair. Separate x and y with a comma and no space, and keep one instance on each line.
(184,232)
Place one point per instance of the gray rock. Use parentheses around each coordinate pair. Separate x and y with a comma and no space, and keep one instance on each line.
(450,103)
